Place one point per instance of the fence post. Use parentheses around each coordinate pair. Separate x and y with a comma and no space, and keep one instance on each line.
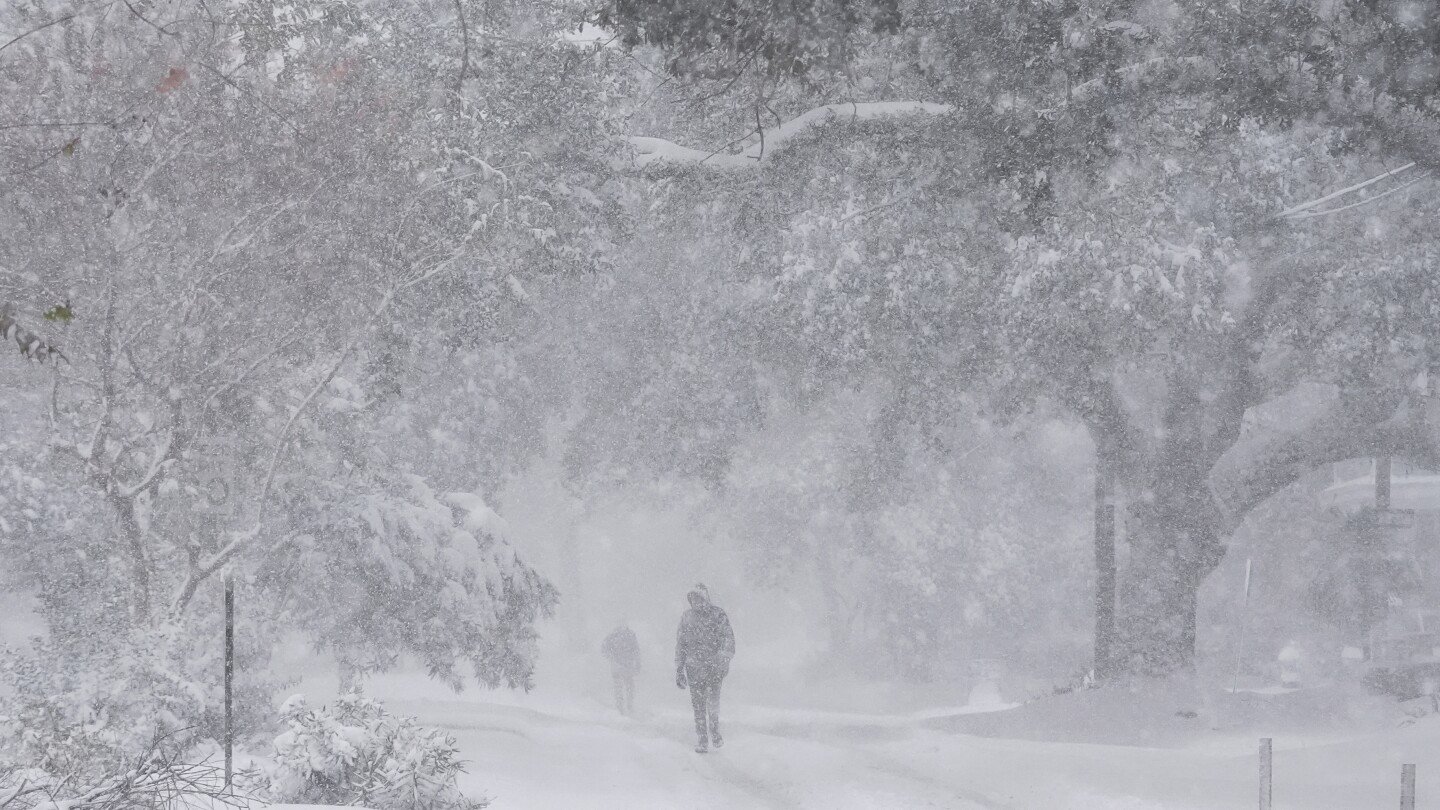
(1407,787)
(1266,773)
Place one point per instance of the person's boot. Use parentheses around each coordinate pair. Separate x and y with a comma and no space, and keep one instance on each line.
(716,740)
(702,746)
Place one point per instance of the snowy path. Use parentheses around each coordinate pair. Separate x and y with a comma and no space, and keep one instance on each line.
(581,756)
(529,759)
(560,747)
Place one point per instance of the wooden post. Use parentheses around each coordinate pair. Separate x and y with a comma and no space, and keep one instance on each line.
(229,680)
(1266,773)
(1382,483)
(1407,787)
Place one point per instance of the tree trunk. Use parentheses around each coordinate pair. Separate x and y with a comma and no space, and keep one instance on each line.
(1104,569)
(140,611)
(1160,624)
(1174,537)
(349,675)
(1175,544)
(837,624)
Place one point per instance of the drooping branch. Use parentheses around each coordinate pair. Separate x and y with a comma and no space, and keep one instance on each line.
(769,143)
(1312,208)
(657,151)
(1348,424)
(201,570)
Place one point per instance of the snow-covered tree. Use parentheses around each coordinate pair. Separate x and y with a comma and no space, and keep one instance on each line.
(1090,218)
(249,206)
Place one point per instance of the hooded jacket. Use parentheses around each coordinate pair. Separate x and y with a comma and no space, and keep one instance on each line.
(623,650)
(704,644)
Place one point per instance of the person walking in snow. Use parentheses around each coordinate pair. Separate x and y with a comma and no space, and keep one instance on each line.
(623,651)
(704,646)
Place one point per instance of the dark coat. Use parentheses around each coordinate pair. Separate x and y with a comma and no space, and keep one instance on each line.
(704,644)
(623,650)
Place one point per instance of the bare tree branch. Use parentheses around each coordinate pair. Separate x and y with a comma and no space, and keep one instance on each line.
(38,29)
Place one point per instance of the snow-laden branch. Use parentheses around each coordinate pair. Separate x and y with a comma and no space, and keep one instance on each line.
(652,151)
(200,570)
(1323,424)
(1311,208)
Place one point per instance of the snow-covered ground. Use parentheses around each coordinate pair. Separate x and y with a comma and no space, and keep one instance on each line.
(562,747)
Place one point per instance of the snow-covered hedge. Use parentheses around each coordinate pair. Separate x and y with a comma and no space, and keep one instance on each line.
(353,752)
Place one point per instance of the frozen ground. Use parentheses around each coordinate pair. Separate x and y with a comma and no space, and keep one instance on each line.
(562,747)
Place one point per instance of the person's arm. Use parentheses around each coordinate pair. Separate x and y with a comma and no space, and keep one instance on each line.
(633,651)
(727,636)
(680,655)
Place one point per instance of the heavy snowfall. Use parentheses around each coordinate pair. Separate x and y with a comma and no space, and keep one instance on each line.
(528,404)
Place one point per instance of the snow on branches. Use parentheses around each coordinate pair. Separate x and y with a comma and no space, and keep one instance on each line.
(658,151)
(354,752)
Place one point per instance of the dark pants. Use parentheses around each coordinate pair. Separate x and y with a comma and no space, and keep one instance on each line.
(705,698)
(624,691)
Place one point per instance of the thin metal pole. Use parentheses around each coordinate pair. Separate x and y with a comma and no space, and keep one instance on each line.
(229,680)
(1240,641)
(1266,773)
(1407,787)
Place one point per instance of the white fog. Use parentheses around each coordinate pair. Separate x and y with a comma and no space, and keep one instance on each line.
(822,404)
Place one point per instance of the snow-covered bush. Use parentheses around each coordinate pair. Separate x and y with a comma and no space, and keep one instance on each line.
(81,700)
(354,752)
(380,565)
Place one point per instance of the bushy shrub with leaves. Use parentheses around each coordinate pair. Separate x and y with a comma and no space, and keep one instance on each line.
(354,752)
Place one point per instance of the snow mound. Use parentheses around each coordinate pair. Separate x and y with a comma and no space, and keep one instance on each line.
(1175,714)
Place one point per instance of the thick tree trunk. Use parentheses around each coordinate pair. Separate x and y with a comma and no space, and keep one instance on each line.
(1104,661)
(1175,543)
(1159,625)
(1173,532)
